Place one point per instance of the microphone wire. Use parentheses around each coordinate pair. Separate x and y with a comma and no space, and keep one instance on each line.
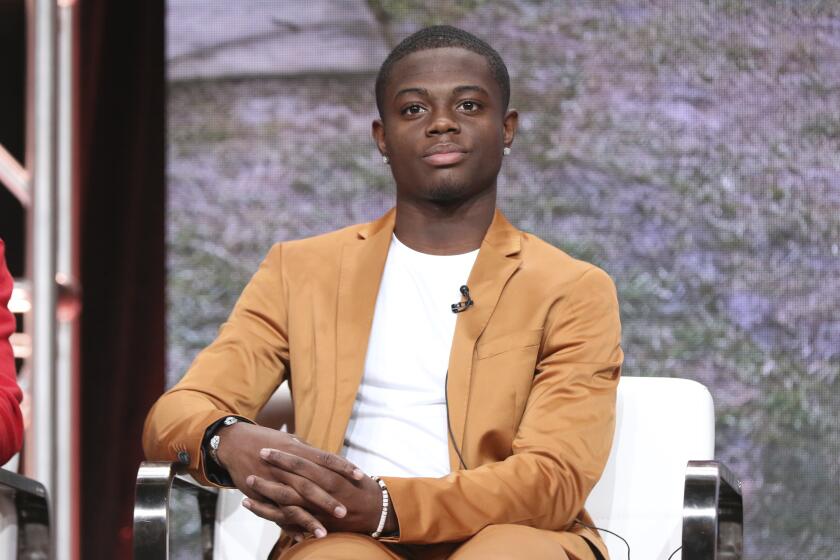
(448,423)
(627,544)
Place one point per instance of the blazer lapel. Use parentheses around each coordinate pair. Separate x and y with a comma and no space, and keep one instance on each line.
(495,264)
(362,263)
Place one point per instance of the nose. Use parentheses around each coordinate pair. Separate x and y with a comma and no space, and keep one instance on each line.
(443,122)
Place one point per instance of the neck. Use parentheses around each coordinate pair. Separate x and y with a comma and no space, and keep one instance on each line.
(449,228)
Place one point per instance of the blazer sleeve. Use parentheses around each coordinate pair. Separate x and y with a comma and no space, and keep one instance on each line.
(235,375)
(11,420)
(562,443)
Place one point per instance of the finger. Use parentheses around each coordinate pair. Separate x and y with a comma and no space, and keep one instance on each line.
(293,532)
(338,464)
(274,491)
(291,463)
(295,492)
(287,515)
(304,519)
(298,439)
(265,510)
(331,461)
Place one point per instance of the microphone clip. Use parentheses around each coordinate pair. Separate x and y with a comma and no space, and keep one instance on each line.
(462,306)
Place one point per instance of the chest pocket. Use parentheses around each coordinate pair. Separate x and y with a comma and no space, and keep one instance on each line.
(508,342)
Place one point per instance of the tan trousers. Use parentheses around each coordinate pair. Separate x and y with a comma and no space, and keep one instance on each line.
(496,542)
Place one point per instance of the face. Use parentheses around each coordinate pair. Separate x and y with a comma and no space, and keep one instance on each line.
(443,126)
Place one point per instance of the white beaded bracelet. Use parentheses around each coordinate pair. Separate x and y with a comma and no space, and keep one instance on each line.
(386,506)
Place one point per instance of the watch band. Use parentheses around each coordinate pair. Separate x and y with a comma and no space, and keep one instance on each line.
(214,472)
(216,439)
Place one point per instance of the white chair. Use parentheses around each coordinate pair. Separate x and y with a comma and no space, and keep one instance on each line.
(660,490)
(662,450)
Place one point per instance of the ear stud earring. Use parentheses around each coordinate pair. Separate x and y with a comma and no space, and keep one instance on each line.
(506,151)
(385,160)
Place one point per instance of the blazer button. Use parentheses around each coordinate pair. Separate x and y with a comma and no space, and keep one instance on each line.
(184,457)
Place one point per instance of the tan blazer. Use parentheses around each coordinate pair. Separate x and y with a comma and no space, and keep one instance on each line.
(533,372)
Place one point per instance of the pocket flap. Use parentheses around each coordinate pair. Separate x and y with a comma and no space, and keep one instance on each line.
(511,341)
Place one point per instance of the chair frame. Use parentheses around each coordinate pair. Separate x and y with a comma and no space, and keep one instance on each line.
(33,514)
(153,494)
(712,511)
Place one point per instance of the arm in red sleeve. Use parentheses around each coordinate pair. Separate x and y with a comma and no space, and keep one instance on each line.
(11,421)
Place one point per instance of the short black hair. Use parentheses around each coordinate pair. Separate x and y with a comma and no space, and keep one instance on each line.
(441,36)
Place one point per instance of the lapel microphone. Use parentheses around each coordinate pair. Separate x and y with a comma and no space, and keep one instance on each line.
(462,306)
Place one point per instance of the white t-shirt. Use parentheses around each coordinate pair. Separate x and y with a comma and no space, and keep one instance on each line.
(398,425)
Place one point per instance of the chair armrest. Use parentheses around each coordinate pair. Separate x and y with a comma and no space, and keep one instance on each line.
(156,482)
(713,513)
(31,504)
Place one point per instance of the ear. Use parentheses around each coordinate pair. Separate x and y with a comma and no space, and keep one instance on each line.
(510,123)
(378,133)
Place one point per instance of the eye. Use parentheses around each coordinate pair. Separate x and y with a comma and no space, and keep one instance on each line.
(413,109)
(469,106)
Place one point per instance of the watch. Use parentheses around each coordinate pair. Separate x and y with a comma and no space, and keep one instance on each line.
(216,439)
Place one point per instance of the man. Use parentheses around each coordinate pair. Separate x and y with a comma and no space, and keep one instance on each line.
(11,421)
(488,420)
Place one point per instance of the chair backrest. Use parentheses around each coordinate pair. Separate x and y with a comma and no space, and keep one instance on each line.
(238,533)
(661,424)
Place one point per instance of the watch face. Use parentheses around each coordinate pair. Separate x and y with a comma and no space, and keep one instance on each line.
(214,442)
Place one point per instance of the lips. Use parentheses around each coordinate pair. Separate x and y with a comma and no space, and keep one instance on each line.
(441,155)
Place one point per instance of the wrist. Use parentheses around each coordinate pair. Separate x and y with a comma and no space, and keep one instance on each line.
(392,526)
(228,436)
(386,521)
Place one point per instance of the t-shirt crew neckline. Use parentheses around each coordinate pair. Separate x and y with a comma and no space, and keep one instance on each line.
(402,247)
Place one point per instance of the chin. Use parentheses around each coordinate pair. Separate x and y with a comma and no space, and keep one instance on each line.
(448,191)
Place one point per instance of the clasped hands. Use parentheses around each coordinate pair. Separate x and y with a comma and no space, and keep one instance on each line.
(303,489)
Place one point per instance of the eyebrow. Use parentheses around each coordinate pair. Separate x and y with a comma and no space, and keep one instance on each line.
(420,91)
(425,92)
(479,89)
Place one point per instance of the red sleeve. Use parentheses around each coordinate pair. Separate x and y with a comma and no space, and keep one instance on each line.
(11,421)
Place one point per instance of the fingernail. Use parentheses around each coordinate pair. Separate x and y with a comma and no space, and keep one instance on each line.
(358,474)
(340,511)
(298,537)
(250,480)
(320,533)
(246,503)
(265,453)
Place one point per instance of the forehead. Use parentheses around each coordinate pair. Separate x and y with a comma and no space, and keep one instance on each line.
(445,67)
